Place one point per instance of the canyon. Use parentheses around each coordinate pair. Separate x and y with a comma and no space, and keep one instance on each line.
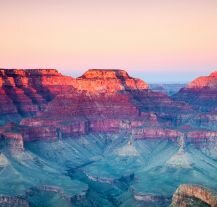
(105,130)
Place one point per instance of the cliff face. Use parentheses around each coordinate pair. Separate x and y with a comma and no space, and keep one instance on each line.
(48,105)
(103,101)
(28,91)
(193,195)
(96,80)
(56,99)
(200,93)
(25,92)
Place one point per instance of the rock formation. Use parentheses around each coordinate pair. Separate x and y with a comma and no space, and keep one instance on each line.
(194,195)
(201,93)
(47,105)
(8,201)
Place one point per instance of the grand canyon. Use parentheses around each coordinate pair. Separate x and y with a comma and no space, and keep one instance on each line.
(106,139)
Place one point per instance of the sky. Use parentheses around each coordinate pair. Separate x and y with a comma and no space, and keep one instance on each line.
(157,41)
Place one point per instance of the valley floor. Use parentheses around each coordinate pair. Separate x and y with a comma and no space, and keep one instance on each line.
(104,170)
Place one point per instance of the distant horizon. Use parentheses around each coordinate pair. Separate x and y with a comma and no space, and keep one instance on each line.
(147,76)
(157,41)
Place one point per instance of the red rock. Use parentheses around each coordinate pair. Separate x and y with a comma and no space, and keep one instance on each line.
(7,106)
(186,193)
(98,101)
(30,90)
(201,93)
(204,82)
(101,101)
(108,81)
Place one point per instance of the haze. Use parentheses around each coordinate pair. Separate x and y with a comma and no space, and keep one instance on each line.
(158,41)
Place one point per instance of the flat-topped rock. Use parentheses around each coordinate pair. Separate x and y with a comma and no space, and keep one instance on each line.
(105,74)
(28,72)
(204,82)
(108,81)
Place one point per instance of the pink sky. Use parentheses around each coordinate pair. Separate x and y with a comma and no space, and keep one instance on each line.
(164,40)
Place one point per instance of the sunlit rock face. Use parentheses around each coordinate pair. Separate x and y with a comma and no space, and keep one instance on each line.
(105,74)
(25,92)
(193,195)
(204,82)
(99,80)
(201,93)
(28,91)
(102,101)
(98,101)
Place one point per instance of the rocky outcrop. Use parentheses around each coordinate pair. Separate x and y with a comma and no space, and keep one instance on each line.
(201,93)
(194,195)
(8,201)
(152,200)
(12,137)
(25,92)
(204,82)
(156,133)
(109,81)
(14,141)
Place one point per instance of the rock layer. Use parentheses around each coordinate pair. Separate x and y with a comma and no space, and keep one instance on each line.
(47,105)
